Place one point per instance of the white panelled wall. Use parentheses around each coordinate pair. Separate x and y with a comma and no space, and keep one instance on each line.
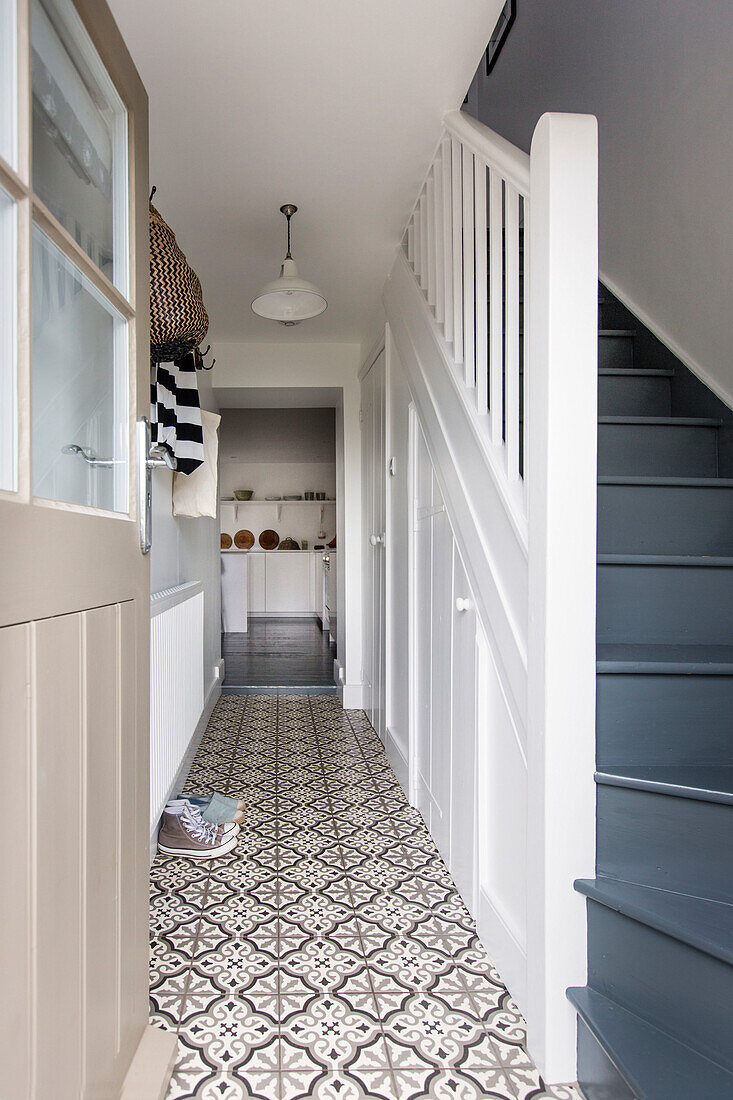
(489,545)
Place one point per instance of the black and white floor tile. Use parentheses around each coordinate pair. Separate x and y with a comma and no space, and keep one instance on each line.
(329,955)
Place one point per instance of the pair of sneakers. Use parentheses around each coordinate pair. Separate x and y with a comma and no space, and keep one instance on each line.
(185,832)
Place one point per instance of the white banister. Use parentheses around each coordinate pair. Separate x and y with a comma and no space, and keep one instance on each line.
(445,159)
(469,295)
(511,163)
(456,248)
(504,344)
(496,327)
(481,259)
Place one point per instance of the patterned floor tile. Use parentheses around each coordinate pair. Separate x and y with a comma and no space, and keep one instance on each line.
(233,1034)
(329,955)
(453,1084)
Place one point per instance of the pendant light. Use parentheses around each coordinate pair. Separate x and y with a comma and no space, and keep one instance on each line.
(289,299)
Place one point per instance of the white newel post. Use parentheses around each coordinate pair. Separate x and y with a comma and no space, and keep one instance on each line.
(561,480)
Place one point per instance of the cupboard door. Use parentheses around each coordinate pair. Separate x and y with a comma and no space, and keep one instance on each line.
(287,584)
(463,736)
(256,584)
(440,677)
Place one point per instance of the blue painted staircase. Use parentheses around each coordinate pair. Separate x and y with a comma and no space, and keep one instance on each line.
(656,1017)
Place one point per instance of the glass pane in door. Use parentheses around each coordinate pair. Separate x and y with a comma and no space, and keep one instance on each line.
(80,393)
(7,342)
(8,98)
(79,137)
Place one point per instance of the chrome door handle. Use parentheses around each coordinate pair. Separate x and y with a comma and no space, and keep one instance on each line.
(89,455)
(148,458)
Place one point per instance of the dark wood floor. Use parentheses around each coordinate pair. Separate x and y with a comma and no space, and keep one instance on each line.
(278,653)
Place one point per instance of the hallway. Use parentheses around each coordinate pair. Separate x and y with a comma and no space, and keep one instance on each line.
(329,955)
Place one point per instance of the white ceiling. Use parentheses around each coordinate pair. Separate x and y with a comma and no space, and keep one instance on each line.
(334,105)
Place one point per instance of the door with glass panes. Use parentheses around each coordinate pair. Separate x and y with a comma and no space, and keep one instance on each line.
(74,595)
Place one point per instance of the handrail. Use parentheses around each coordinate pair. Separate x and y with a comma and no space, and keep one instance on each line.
(495,150)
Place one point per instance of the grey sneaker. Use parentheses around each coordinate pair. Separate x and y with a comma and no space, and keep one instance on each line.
(176,805)
(183,834)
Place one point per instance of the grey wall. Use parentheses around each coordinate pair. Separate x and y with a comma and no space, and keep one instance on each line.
(658,76)
(278,435)
(188,550)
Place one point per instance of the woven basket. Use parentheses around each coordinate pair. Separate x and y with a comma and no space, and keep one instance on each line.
(178,319)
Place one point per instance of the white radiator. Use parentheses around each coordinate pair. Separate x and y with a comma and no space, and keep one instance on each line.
(176,684)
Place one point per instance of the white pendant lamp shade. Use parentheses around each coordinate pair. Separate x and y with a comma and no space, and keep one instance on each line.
(289,299)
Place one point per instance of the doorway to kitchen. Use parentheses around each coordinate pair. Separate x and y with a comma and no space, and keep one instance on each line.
(278,479)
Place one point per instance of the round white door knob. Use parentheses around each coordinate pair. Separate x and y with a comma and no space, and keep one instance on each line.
(375,540)
(462,604)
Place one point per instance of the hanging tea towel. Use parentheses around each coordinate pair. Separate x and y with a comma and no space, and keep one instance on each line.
(196,494)
(175,413)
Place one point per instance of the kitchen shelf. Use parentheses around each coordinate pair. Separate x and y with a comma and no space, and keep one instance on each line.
(237,504)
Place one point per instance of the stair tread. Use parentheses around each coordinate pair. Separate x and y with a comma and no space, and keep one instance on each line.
(699,560)
(667,482)
(665,421)
(666,659)
(654,1065)
(699,922)
(632,372)
(704,782)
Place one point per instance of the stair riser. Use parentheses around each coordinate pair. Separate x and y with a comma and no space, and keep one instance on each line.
(625,395)
(664,841)
(616,351)
(647,719)
(665,519)
(597,1075)
(669,605)
(662,980)
(651,450)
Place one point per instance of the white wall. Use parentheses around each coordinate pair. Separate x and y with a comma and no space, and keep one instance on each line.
(188,550)
(290,366)
(657,75)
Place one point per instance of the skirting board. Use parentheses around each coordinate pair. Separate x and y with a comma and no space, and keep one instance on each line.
(503,948)
(351,696)
(152,1065)
(182,774)
(397,756)
(282,615)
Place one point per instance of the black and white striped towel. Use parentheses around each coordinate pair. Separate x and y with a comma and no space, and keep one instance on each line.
(175,412)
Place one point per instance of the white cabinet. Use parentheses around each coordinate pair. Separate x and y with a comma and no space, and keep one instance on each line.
(256,583)
(280,582)
(234,592)
(314,581)
(287,583)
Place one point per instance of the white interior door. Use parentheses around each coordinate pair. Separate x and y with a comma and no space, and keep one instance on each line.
(75,610)
(367,466)
(374,525)
(379,525)
(430,645)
